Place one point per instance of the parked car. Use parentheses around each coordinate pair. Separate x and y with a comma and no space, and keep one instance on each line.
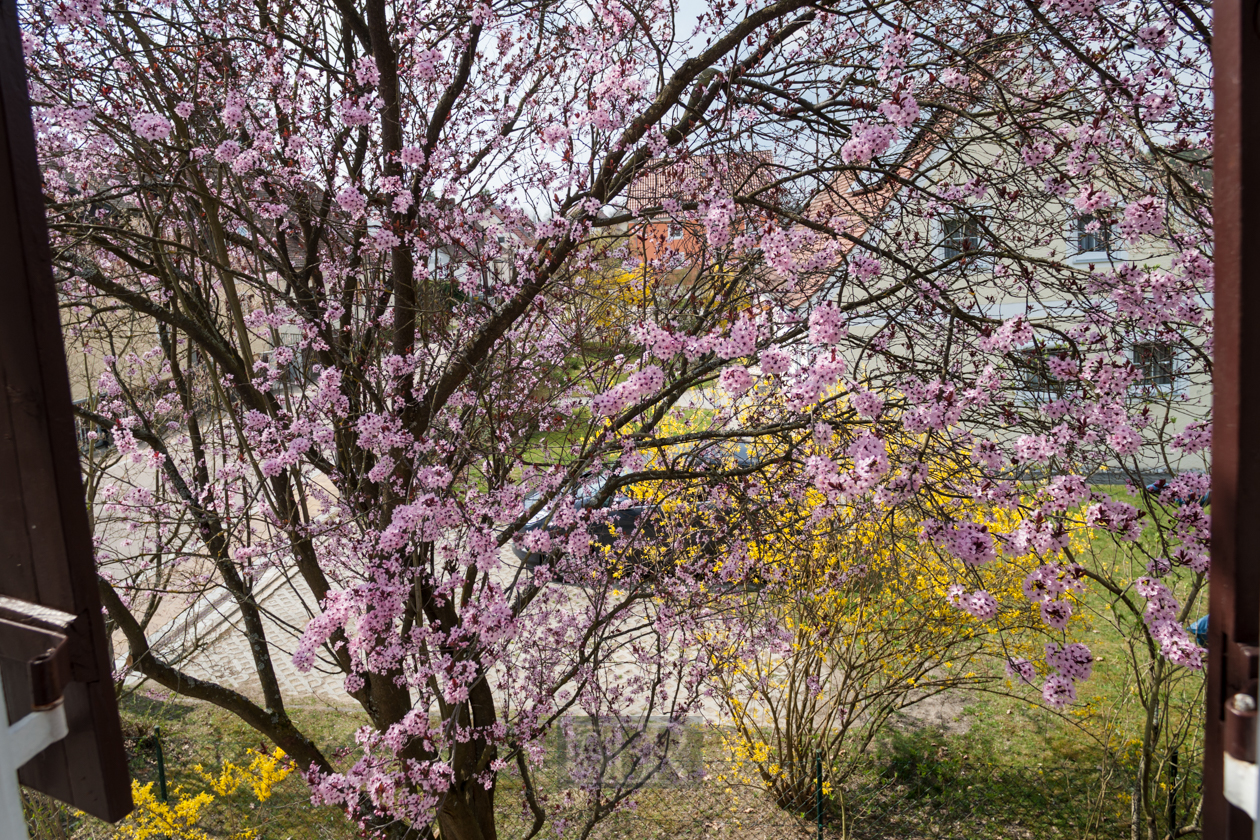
(1157,487)
(626,513)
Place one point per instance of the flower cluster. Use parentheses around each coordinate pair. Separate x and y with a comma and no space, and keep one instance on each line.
(640,384)
(902,110)
(866,142)
(741,342)
(864,266)
(1049,587)
(152,127)
(980,604)
(1142,217)
(352,201)
(1161,620)
(774,362)
(233,110)
(366,72)
(659,341)
(1118,517)
(717,222)
(1195,437)
(868,404)
(1021,669)
(735,380)
(1092,199)
(1074,661)
(814,380)
(827,324)
(970,542)
(227,151)
(870,463)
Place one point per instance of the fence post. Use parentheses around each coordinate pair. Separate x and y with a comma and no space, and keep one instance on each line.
(1173,761)
(157,740)
(818,791)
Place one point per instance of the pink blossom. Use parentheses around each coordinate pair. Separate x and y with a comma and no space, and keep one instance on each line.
(827,324)
(1195,437)
(1092,199)
(735,381)
(1058,691)
(742,340)
(1021,669)
(366,72)
(233,111)
(867,141)
(970,542)
(1037,153)
(1074,661)
(717,222)
(227,151)
(640,384)
(868,404)
(901,111)
(864,266)
(1153,36)
(1015,332)
(778,251)
(981,604)
(954,78)
(151,127)
(352,201)
(774,362)
(1142,217)
(1056,613)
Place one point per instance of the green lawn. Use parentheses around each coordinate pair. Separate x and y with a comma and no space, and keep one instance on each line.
(1004,768)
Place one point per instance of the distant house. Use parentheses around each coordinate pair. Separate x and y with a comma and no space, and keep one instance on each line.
(955,239)
(658,195)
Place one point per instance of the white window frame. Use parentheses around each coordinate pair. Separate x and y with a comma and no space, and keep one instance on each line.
(974,215)
(1033,352)
(1177,363)
(1116,252)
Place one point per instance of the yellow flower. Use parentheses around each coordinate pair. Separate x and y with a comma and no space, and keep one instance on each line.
(178,818)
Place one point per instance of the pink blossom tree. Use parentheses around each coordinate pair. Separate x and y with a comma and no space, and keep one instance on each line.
(329,262)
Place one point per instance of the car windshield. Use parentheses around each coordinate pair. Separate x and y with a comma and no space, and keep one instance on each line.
(725,453)
(583,494)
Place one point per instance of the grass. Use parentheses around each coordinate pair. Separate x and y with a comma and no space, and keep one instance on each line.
(1024,771)
(1017,771)
(196,733)
(1006,768)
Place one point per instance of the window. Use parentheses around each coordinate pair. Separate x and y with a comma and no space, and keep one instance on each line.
(1034,373)
(1155,361)
(1038,370)
(961,236)
(84,428)
(1093,234)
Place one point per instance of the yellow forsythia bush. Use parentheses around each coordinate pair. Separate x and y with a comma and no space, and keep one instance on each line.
(183,816)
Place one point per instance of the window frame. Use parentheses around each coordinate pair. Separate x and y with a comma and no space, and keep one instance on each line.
(1141,361)
(944,251)
(1037,383)
(1115,250)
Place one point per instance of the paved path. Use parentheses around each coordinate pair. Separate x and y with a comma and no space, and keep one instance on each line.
(208,642)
